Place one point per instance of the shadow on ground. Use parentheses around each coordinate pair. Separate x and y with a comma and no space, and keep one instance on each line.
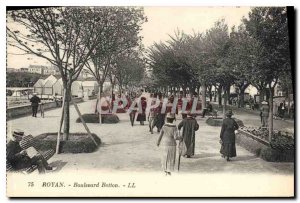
(59,164)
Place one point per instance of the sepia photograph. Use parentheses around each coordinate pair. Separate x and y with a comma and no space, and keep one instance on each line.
(150,101)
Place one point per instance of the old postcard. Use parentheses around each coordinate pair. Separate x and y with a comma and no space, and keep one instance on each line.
(150,101)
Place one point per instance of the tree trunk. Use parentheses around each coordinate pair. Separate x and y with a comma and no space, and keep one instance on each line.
(226,95)
(99,102)
(261,95)
(67,112)
(289,103)
(198,89)
(184,91)
(60,123)
(100,91)
(203,97)
(210,93)
(242,98)
(215,94)
(192,90)
(120,89)
(220,95)
(270,113)
(112,89)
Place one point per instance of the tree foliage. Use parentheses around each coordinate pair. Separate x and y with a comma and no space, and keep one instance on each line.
(21,79)
(121,27)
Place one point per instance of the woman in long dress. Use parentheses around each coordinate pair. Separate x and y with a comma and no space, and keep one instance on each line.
(227,136)
(167,140)
(142,116)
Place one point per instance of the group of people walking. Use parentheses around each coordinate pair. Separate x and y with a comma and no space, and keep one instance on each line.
(189,125)
(182,136)
(171,136)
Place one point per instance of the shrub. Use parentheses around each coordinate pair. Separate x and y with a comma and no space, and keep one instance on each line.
(94,118)
(89,118)
(218,121)
(77,143)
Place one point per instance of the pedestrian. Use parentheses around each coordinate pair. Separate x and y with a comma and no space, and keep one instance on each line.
(42,109)
(167,139)
(264,114)
(152,114)
(227,136)
(57,100)
(189,125)
(35,100)
(281,110)
(133,111)
(160,116)
(18,157)
(142,115)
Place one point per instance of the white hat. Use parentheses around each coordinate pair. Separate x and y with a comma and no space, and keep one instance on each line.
(264,102)
(18,132)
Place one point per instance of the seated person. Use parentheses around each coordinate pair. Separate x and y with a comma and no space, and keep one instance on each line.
(208,109)
(19,159)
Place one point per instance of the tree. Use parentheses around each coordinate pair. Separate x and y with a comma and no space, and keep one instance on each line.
(121,26)
(169,63)
(129,70)
(21,79)
(60,36)
(244,53)
(268,25)
(217,44)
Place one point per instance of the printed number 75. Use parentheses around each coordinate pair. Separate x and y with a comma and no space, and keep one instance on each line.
(30,184)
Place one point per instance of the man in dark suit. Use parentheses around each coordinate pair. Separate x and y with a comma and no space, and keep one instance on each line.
(35,100)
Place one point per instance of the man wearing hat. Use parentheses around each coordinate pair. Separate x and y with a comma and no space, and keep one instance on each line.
(227,136)
(35,100)
(264,112)
(189,125)
(18,157)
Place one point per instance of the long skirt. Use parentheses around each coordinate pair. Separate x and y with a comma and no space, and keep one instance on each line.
(160,121)
(141,117)
(168,158)
(132,117)
(189,141)
(228,150)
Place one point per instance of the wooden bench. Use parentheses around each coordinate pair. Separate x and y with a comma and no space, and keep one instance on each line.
(25,143)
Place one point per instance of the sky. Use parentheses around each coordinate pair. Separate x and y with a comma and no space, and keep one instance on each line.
(162,22)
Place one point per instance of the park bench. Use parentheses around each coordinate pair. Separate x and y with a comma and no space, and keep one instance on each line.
(25,143)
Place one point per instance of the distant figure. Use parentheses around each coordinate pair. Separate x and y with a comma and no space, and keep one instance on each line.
(142,116)
(167,138)
(208,110)
(35,100)
(57,100)
(189,125)
(227,136)
(264,112)
(281,110)
(160,117)
(133,112)
(152,114)
(19,158)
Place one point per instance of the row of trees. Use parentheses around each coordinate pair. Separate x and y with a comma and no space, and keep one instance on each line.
(21,79)
(256,52)
(73,38)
